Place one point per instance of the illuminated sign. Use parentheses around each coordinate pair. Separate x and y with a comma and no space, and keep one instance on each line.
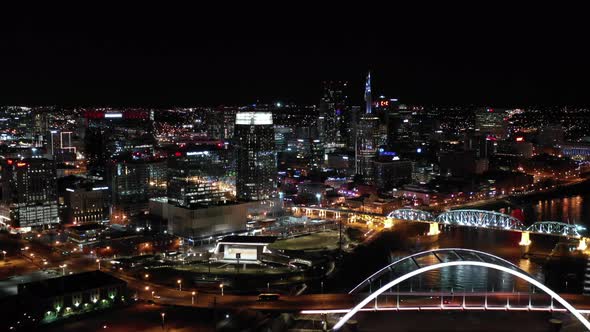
(70,190)
(21,164)
(197,153)
(520,139)
(113,115)
(100,188)
(254,118)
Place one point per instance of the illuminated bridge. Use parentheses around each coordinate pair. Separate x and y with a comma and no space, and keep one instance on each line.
(554,227)
(411,214)
(374,291)
(488,219)
(461,217)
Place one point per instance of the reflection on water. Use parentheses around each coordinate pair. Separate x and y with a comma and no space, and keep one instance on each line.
(391,246)
(460,278)
(572,209)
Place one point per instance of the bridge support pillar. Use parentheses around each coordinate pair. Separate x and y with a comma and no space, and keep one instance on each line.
(433,230)
(582,244)
(525,242)
(388,223)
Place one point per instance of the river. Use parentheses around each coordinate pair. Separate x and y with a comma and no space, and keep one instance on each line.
(564,275)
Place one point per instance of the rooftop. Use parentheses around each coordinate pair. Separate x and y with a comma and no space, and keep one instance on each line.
(249,239)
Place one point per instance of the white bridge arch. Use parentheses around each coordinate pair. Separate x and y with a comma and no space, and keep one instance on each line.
(476,258)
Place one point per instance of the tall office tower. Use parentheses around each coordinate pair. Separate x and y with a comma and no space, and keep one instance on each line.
(388,111)
(194,178)
(257,158)
(111,133)
(29,193)
(133,183)
(367,138)
(335,116)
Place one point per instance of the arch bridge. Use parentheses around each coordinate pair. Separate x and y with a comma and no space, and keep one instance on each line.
(420,263)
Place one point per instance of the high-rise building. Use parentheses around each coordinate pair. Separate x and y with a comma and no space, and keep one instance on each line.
(133,183)
(367,138)
(29,193)
(257,160)
(86,203)
(335,115)
(390,171)
(194,178)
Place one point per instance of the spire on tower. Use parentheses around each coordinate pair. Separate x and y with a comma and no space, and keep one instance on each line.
(368,99)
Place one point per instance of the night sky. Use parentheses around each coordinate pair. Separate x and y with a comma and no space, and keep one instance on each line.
(168,58)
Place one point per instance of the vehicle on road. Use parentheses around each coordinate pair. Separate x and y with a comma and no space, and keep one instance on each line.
(268,297)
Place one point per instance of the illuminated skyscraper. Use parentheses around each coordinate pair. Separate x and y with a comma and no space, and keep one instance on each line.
(29,193)
(368,98)
(367,138)
(335,115)
(257,159)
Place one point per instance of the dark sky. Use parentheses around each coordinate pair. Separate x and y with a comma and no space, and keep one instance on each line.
(181,57)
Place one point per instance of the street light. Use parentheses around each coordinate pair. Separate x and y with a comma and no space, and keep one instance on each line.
(147,276)
(221,286)
(193,297)
(153,294)
(98,261)
(147,288)
(179,284)
(63,269)
(3,255)
(163,315)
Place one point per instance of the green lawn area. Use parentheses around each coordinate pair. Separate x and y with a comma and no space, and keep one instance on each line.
(315,241)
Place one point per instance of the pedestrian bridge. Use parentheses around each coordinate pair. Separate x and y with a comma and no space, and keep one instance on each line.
(383,281)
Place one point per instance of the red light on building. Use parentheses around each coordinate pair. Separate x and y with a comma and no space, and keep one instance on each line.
(177,154)
(520,139)
(9,161)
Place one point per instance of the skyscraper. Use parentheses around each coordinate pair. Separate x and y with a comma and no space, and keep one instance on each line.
(257,160)
(367,138)
(335,115)
(29,193)
(194,178)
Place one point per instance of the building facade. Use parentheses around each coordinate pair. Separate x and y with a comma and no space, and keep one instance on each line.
(257,159)
(29,193)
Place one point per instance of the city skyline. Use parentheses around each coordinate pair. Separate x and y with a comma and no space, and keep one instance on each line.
(195,169)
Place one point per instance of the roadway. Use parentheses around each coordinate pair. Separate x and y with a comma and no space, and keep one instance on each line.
(314,303)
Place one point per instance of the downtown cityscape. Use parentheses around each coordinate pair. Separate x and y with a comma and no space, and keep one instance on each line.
(279,185)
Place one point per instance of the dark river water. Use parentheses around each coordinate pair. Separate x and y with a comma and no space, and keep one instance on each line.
(561,271)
